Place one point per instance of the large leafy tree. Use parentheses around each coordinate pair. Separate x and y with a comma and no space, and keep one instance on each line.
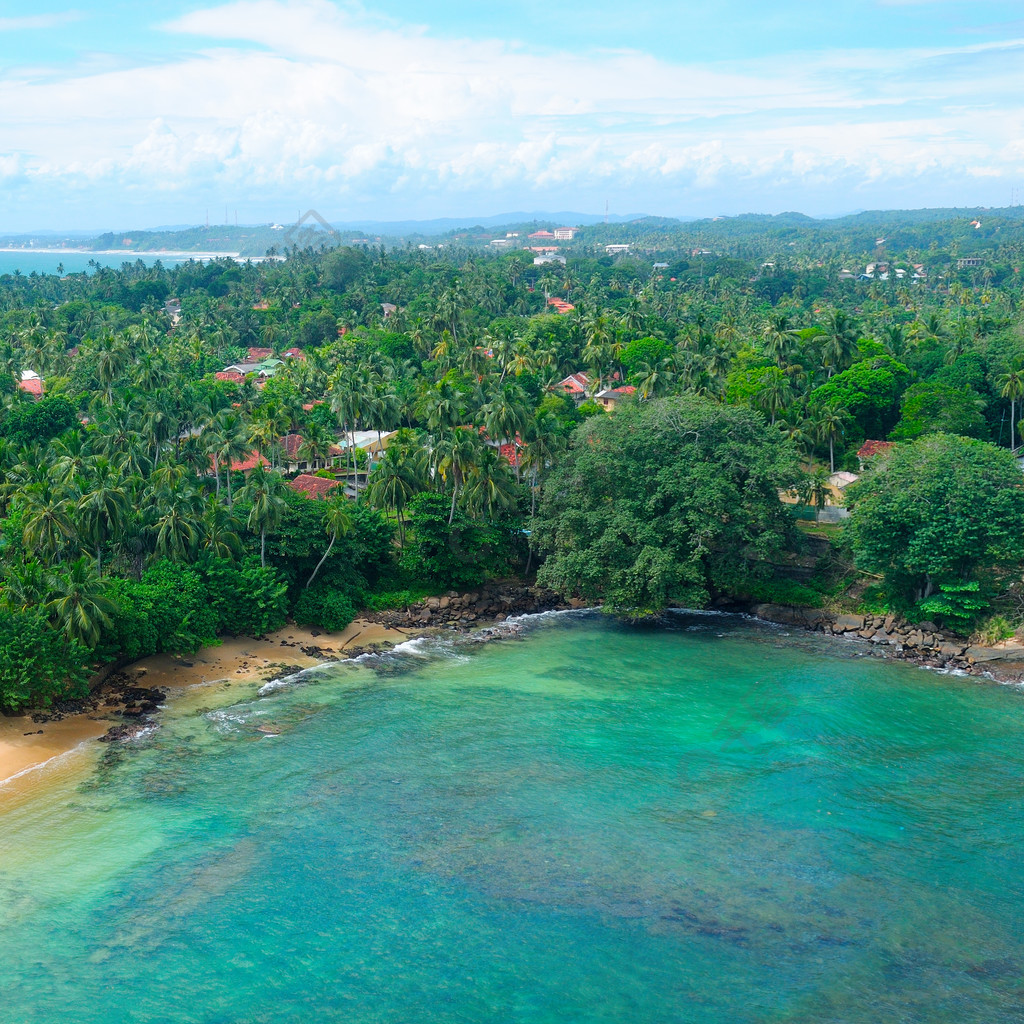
(941,510)
(667,503)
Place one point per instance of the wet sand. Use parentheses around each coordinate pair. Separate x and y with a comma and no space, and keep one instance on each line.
(237,659)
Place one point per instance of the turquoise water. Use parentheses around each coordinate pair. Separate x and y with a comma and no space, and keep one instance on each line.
(715,822)
(28,262)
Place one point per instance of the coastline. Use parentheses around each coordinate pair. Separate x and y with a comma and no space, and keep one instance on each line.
(30,742)
(28,745)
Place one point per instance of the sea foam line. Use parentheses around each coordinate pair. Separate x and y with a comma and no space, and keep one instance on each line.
(78,748)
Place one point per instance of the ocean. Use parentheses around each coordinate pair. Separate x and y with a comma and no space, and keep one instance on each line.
(75,261)
(714,821)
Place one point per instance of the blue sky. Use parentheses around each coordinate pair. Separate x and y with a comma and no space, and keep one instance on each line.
(118,115)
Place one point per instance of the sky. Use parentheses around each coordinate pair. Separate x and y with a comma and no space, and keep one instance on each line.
(136,114)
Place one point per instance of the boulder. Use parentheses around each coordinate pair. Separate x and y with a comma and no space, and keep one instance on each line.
(848,623)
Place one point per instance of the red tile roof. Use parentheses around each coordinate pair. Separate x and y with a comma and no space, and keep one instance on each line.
(313,486)
(257,355)
(34,386)
(871,448)
(251,461)
(309,406)
(541,234)
(574,384)
(291,443)
(561,306)
(230,376)
(293,353)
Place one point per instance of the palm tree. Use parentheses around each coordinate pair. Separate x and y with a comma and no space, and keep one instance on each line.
(174,518)
(228,442)
(490,487)
(77,602)
(654,380)
(815,491)
(394,480)
(337,522)
(829,425)
(1011,386)
(47,525)
(219,529)
(264,490)
(457,455)
(839,342)
(103,505)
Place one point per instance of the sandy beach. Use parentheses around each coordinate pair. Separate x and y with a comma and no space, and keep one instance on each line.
(26,745)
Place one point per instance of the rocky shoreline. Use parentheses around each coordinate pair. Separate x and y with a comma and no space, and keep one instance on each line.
(890,636)
(482,615)
(493,602)
(120,695)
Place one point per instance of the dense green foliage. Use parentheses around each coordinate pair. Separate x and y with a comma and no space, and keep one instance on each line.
(937,517)
(125,529)
(672,502)
(37,664)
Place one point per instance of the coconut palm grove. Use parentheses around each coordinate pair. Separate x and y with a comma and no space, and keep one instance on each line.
(644,415)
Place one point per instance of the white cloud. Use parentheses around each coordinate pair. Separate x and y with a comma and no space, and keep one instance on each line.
(304,100)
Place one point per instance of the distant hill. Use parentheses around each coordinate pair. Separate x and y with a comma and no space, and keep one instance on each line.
(754,233)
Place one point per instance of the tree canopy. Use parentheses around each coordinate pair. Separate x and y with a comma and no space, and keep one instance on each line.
(670,502)
(941,510)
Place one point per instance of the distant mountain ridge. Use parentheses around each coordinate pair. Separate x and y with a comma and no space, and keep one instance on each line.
(256,240)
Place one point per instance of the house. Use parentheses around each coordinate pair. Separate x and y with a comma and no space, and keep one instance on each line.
(660,266)
(315,487)
(31,383)
(575,386)
(565,234)
(614,250)
(265,368)
(501,243)
(257,355)
(837,483)
(542,235)
(294,353)
(231,376)
(539,261)
(544,250)
(561,306)
(969,261)
(869,449)
(389,309)
(610,397)
(293,462)
(246,465)
(845,275)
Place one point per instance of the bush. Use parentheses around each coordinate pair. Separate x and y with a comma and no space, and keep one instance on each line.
(323,606)
(38,664)
(994,629)
(247,600)
(168,609)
